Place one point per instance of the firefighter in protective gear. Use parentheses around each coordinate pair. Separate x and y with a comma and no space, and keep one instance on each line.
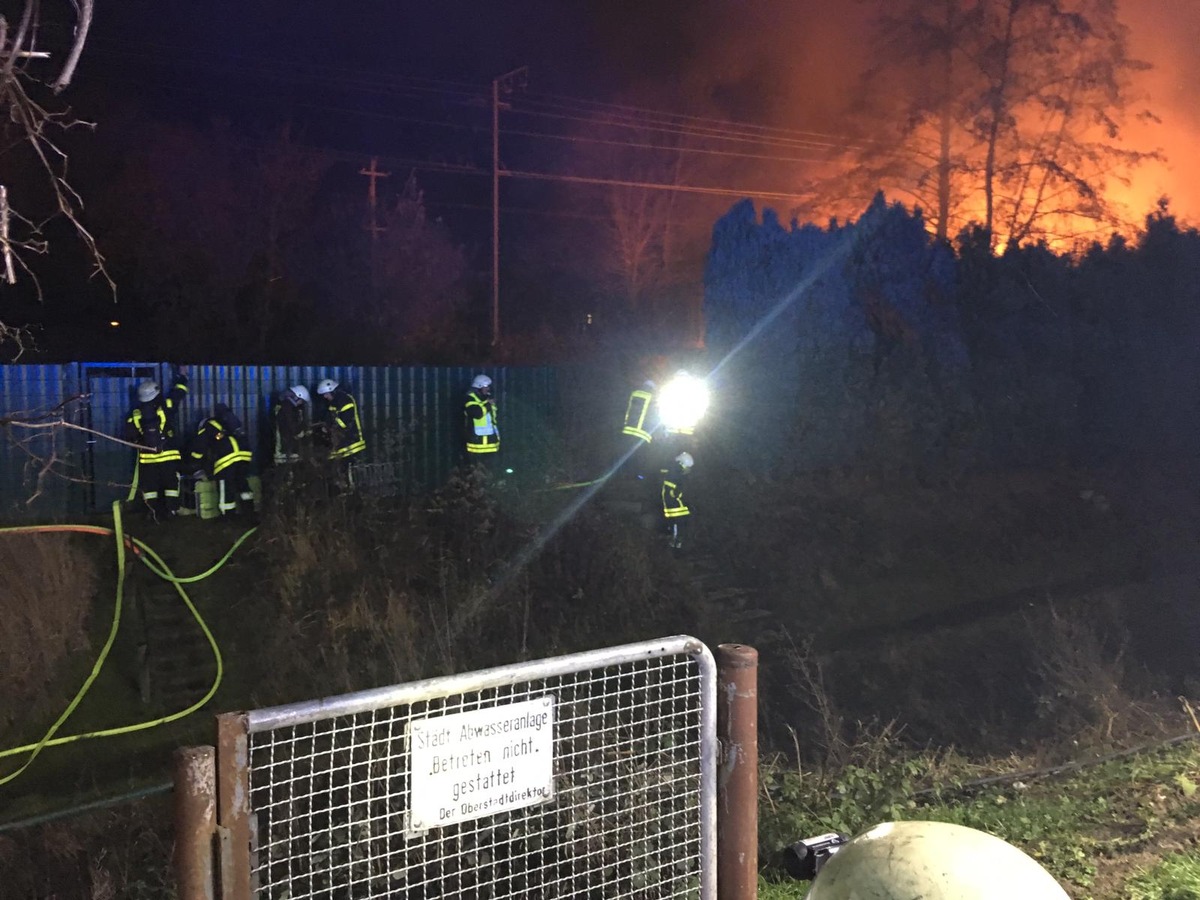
(343,427)
(219,451)
(151,424)
(639,414)
(292,415)
(675,508)
(935,861)
(479,420)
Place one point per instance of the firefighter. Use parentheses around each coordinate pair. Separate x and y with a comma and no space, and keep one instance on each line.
(292,416)
(675,508)
(151,424)
(343,429)
(482,434)
(639,415)
(220,451)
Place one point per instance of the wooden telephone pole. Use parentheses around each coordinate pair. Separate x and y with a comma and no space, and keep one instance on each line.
(507,83)
(373,225)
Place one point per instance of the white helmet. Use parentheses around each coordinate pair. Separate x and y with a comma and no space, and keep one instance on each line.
(300,392)
(933,860)
(147,391)
(481,381)
(685,460)
(326,386)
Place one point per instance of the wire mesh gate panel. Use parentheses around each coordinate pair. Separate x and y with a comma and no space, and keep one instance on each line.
(439,789)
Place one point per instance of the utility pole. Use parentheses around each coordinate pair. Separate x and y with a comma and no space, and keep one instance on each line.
(373,225)
(506,82)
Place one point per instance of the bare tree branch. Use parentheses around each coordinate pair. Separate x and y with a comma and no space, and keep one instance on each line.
(82,26)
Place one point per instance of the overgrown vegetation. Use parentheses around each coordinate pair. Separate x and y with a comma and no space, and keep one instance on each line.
(79,857)
(384,590)
(47,585)
(1078,825)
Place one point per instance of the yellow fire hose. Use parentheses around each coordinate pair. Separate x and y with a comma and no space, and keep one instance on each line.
(155,564)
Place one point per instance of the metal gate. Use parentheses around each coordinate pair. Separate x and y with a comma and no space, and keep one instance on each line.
(585,776)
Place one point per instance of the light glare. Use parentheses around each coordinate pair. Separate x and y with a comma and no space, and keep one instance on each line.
(683,402)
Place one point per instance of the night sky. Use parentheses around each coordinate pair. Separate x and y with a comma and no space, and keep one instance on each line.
(790,63)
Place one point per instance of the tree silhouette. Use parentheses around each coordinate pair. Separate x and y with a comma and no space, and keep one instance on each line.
(1002,113)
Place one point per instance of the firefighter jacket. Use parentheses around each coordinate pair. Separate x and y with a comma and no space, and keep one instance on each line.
(638,422)
(152,425)
(219,443)
(483,434)
(291,430)
(674,482)
(345,427)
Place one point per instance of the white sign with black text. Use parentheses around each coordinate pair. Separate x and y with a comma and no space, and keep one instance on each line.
(472,764)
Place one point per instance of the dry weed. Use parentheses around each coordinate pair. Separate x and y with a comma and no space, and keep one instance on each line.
(1086,674)
(47,586)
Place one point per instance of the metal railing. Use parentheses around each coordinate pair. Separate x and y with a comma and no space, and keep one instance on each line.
(588,775)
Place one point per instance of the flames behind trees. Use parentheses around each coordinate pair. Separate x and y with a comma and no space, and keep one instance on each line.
(1006,114)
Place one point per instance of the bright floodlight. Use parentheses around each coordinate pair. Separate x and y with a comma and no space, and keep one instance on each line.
(682,402)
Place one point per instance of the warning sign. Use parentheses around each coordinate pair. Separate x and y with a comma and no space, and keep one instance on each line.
(480,763)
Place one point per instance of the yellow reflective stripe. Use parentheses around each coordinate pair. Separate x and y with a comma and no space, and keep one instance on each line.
(159,457)
(676,512)
(483,448)
(349,450)
(637,433)
(229,459)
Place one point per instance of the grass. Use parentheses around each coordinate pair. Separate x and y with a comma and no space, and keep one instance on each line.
(1091,829)
(332,597)
(1175,878)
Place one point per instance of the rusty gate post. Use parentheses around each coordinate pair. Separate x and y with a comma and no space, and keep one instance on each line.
(195,789)
(737,779)
(233,804)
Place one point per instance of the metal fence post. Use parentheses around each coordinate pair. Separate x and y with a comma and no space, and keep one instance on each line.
(737,780)
(233,804)
(195,789)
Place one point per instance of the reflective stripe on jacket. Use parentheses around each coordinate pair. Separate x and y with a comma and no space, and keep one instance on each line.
(347,433)
(636,413)
(153,425)
(483,435)
(217,448)
(672,500)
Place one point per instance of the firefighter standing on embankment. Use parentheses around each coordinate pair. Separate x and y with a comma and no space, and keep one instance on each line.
(220,451)
(151,424)
(481,431)
(676,512)
(343,429)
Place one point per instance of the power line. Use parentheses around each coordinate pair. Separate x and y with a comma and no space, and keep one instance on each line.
(394,117)
(676,130)
(602,105)
(466,94)
(651,185)
(674,149)
(727,132)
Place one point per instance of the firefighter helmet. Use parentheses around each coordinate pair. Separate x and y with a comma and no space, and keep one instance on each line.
(300,392)
(147,391)
(685,460)
(326,386)
(935,860)
(481,382)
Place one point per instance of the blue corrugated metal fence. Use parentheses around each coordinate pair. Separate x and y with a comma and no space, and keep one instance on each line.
(411,417)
